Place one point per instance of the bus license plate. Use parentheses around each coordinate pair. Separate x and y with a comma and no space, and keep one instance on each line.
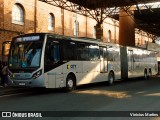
(22,84)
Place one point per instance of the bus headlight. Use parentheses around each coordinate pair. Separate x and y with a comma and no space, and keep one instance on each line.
(37,74)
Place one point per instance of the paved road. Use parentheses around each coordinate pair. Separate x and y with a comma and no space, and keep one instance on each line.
(135,96)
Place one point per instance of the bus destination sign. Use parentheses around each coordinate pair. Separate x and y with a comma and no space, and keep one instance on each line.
(27,39)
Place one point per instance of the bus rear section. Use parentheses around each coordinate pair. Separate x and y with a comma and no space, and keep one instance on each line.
(137,62)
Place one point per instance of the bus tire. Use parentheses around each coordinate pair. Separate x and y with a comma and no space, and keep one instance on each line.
(145,74)
(70,83)
(110,78)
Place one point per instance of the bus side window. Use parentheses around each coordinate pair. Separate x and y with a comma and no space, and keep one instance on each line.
(110,53)
(69,50)
(82,51)
(103,53)
(52,53)
(93,52)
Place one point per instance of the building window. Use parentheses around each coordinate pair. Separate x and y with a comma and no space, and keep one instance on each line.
(18,14)
(51,22)
(109,36)
(94,32)
(76,28)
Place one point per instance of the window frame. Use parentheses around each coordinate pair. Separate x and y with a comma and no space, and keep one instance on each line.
(51,22)
(76,28)
(18,14)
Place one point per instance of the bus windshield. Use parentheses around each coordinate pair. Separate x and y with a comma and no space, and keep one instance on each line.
(25,54)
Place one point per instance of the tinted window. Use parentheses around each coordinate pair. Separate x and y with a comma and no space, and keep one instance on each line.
(82,51)
(25,53)
(69,50)
(93,52)
(110,53)
(52,52)
(113,53)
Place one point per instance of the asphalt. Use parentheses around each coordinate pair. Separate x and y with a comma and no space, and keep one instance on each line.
(16,90)
(11,90)
(5,90)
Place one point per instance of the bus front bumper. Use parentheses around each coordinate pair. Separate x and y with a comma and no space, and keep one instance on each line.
(28,83)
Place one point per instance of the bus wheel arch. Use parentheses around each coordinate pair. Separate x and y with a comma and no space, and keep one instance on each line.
(145,74)
(70,82)
(111,77)
(150,72)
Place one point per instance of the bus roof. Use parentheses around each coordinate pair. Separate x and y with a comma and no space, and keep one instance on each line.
(82,39)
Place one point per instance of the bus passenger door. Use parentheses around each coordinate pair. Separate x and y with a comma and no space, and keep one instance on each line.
(103,60)
(130,63)
(52,64)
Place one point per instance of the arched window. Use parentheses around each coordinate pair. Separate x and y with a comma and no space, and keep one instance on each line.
(18,14)
(76,28)
(109,36)
(51,21)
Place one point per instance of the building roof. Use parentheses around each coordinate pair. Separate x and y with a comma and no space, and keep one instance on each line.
(93,4)
(146,16)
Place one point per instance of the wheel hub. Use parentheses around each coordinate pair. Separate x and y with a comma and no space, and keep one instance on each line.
(70,83)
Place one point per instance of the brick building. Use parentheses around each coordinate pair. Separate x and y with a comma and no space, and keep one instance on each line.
(27,16)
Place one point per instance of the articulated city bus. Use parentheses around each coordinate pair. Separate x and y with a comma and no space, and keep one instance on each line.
(56,61)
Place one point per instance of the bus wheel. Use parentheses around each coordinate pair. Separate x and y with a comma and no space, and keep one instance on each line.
(70,83)
(110,78)
(145,75)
